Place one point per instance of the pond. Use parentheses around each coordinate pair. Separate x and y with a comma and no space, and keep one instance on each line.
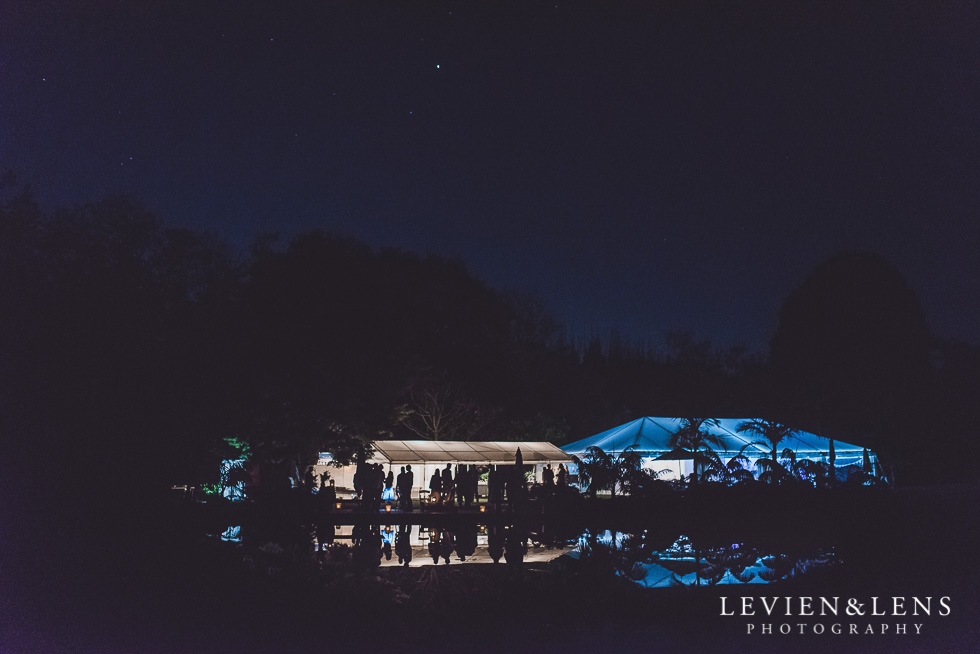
(643,558)
(649,557)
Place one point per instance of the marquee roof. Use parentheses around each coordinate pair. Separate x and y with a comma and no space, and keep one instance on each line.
(469,452)
(652,435)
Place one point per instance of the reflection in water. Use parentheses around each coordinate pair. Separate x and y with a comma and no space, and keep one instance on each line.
(640,558)
(495,542)
(325,533)
(232,534)
(453,542)
(515,544)
(403,545)
(647,557)
(366,551)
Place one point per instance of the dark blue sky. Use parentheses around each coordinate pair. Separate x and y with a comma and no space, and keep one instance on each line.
(643,167)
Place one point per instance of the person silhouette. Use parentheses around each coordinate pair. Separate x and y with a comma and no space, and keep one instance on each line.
(461,486)
(447,483)
(548,477)
(379,483)
(494,487)
(562,475)
(389,486)
(406,496)
(435,487)
(400,484)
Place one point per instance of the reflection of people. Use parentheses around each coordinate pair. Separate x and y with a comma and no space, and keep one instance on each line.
(516,546)
(434,545)
(403,544)
(324,536)
(367,547)
(495,542)
(466,540)
(448,542)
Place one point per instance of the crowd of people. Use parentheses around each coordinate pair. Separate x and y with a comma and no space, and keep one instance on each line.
(372,486)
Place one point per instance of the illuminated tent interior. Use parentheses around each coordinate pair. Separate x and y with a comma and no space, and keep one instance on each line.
(426,457)
(651,436)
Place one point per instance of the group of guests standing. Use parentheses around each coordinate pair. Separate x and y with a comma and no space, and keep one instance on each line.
(371,486)
(444,488)
(548,476)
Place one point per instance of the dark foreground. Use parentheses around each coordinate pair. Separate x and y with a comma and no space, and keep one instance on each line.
(159,590)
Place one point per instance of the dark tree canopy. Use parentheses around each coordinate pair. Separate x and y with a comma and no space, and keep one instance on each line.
(852,348)
(136,351)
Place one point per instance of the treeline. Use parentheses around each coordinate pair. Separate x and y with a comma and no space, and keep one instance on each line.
(136,355)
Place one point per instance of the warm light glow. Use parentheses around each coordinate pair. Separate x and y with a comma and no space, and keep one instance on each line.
(483,508)
(338,505)
(387,508)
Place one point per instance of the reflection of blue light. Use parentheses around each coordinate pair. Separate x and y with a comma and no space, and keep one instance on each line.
(687,564)
(232,534)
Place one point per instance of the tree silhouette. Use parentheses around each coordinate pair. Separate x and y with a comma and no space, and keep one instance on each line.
(851,352)
(772,434)
(598,471)
(693,435)
(438,410)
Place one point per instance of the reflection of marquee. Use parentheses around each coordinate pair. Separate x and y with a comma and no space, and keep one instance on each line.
(678,564)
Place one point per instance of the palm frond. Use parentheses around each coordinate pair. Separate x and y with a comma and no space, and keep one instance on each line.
(742,475)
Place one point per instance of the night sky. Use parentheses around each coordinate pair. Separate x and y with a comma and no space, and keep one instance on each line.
(642,166)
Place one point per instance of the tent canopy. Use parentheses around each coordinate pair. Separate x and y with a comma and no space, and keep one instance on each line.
(468,452)
(652,436)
